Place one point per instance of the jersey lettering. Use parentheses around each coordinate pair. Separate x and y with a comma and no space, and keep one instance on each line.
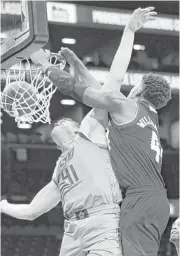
(152,109)
(65,159)
(70,174)
(155,145)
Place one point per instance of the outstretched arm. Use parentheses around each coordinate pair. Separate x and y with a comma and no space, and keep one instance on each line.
(96,121)
(44,201)
(83,79)
(101,99)
(108,100)
(122,57)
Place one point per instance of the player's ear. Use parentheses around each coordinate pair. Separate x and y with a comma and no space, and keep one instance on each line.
(139,92)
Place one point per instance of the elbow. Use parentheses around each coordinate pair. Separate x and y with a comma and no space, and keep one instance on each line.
(31,215)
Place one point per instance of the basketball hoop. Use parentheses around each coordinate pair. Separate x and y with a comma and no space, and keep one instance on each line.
(28,92)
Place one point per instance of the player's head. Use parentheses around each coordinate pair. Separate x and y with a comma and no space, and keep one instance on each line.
(156,90)
(64,132)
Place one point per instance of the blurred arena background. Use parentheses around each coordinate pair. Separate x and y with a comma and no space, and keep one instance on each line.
(93,30)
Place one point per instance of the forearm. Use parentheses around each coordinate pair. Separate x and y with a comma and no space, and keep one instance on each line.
(121,61)
(123,54)
(46,199)
(18,211)
(81,71)
(104,99)
(65,83)
(93,98)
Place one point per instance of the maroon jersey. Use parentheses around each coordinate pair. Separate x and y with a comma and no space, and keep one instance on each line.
(135,149)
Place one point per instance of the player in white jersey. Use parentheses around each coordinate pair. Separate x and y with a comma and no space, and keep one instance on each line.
(83,180)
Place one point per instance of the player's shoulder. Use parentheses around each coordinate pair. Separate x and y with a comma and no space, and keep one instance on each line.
(147,105)
(129,107)
(82,139)
(127,113)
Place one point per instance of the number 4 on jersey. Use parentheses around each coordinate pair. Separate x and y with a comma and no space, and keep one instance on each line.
(155,145)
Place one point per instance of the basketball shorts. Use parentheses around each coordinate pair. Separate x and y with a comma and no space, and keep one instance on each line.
(98,234)
(144,216)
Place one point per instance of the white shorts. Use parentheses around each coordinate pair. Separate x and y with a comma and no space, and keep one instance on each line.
(97,234)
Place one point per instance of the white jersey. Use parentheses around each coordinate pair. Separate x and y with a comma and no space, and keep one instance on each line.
(85,177)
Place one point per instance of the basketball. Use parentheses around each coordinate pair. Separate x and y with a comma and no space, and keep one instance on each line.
(21,95)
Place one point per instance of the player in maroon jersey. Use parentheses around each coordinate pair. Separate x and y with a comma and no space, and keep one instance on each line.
(136,157)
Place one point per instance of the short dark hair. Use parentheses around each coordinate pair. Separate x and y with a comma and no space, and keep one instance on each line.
(156,90)
(62,120)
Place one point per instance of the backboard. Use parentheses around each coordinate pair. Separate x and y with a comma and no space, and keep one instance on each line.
(24,29)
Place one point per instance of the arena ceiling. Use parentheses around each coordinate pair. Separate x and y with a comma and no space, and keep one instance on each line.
(168,7)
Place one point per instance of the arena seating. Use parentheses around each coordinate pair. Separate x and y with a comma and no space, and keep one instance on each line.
(29,246)
(49,246)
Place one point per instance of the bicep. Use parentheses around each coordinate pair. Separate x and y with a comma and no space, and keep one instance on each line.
(94,98)
(104,99)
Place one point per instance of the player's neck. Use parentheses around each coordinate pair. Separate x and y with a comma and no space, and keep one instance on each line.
(144,99)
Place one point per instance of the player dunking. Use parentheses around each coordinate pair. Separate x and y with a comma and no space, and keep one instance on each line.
(136,157)
(136,153)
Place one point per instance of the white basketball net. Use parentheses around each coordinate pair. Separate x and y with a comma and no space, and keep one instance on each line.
(40,85)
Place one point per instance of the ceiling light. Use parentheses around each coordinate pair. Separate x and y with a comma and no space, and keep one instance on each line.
(68,41)
(68,102)
(24,126)
(139,47)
